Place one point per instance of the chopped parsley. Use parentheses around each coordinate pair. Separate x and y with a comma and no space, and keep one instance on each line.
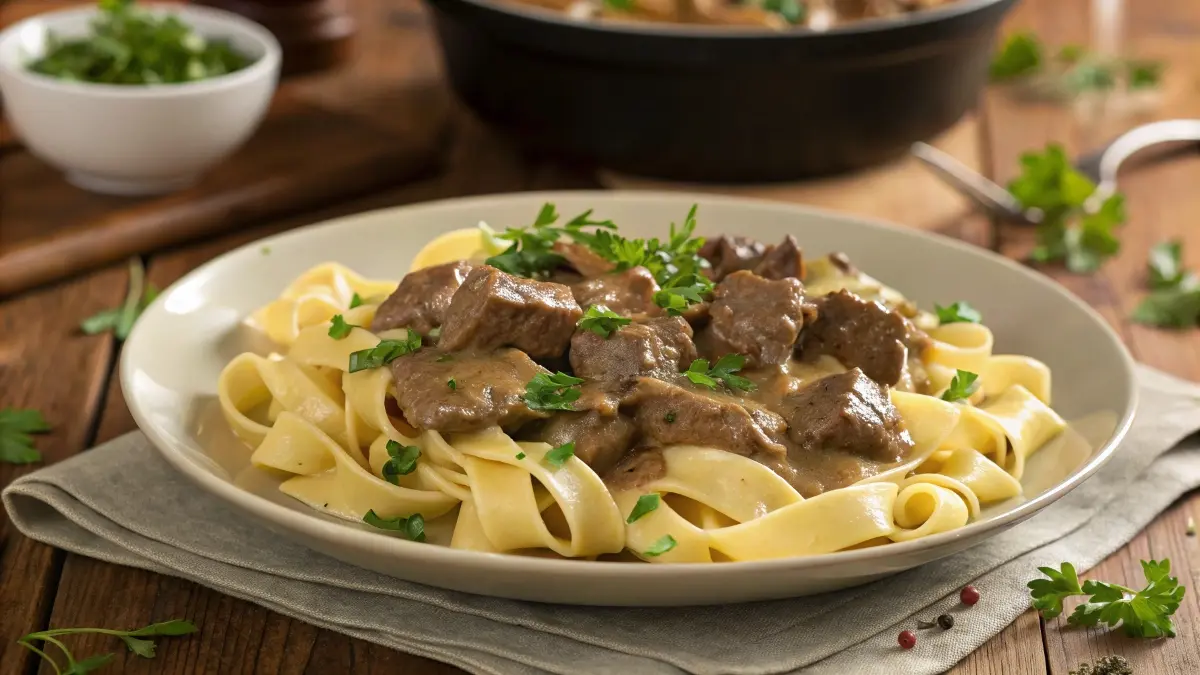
(339,329)
(962,386)
(520,455)
(385,352)
(16,441)
(665,543)
(959,312)
(356,301)
(412,527)
(556,457)
(602,321)
(552,392)
(723,371)
(669,418)
(645,504)
(403,461)
(452,384)
(1143,614)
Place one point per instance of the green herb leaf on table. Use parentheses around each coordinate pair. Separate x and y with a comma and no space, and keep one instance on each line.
(552,392)
(1070,53)
(958,312)
(1020,55)
(602,321)
(384,353)
(1048,594)
(120,320)
(662,545)
(1145,613)
(556,457)
(1091,75)
(1143,74)
(16,441)
(403,461)
(962,386)
(1174,301)
(723,371)
(1165,266)
(134,639)
(412,527)
(338,328)
(645,504)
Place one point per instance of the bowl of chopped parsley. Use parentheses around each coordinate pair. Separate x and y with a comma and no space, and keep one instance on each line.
(133,100)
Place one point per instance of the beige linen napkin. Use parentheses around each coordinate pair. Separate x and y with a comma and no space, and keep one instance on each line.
(123,503)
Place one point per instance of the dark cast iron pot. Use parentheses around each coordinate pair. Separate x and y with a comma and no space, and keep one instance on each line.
(727,104)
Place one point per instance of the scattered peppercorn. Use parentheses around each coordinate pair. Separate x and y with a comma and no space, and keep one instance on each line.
(907,639)
(1108,665)
(946,621)
(969,595)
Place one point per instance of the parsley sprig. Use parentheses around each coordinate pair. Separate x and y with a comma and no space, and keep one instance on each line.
(531,253)
(1072,70)
(338,328)
(1145,613)
(558,456)
(722,371)
(683,290)
(602,321)
(962,386)
(120,320)
(16,428)
(552,392)
(136,640)
(403,461)
(412,527)
(1073,228)
(385,352)
(958,312)
(1174,301)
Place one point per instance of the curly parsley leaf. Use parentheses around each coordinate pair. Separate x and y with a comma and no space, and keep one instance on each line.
(385,352)
(602,321)
(677,256)
(338,328)
(134,639)
(645,504)
(1048,594)
(552,392)
(531,253)
(962,386)
(1143,614)
(722,371)
(1020,55)
(683,290)
(958,312)
(412,527)
(665,543)
(556,457)
(16,428)
(403,461)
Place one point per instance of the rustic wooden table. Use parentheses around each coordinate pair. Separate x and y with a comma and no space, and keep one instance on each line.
(46,364)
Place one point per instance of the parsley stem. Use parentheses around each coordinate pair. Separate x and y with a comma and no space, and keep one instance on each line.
(63,648)
(129,310)
(44,655)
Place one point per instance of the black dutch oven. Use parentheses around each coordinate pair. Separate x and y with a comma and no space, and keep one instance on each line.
(708,103)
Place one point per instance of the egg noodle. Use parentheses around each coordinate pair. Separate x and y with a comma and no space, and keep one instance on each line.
(325,431)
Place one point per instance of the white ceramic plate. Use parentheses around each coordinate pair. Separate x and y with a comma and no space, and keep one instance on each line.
(171,362)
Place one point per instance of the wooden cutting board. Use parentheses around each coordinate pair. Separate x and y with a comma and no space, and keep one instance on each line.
(303,157)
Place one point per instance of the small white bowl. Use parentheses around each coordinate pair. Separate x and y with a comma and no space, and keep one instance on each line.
(136,139)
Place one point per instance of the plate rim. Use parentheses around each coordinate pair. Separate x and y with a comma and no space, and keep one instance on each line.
(360,539)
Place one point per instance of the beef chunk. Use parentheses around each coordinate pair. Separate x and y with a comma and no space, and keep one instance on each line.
(637,469)
(582,259)
(661,347)
(670,414)
(847,412)
(493,309)
(489,389)
(729,254)
(600,440)
(421,300)
(859,334)
(627,293)
(757,317)
(782,261)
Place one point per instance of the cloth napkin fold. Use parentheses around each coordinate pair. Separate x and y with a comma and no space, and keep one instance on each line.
(123,503)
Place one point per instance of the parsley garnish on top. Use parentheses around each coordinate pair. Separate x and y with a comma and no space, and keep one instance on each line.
(403,461)
(129,46)
(384,353)
(16,442)
(958,312)
(135,640)
(792,11)
(681,291)
(356,301)
(722,371)
(665,543)
(962,386)
(1145,613)
(602,321)
(552,392)
(556,457)
(1073,229)
(338,328)
(412,527)
(531,253)
(1174,301)
(645,504)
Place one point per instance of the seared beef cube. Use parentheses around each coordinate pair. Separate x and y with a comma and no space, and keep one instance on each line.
(729,254)
(756,317)
(661,347)
(846,412)
(493,309)
(782,261)
(489,389)
(421,300)
(627,293)
(600,440)
(583,259)
(637,469)
(671,414)
(859,334)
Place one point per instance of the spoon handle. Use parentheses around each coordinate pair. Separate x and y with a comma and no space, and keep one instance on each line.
(1102,166)
(991,197)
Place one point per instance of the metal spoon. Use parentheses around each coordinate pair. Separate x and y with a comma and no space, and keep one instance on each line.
(1101,166)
